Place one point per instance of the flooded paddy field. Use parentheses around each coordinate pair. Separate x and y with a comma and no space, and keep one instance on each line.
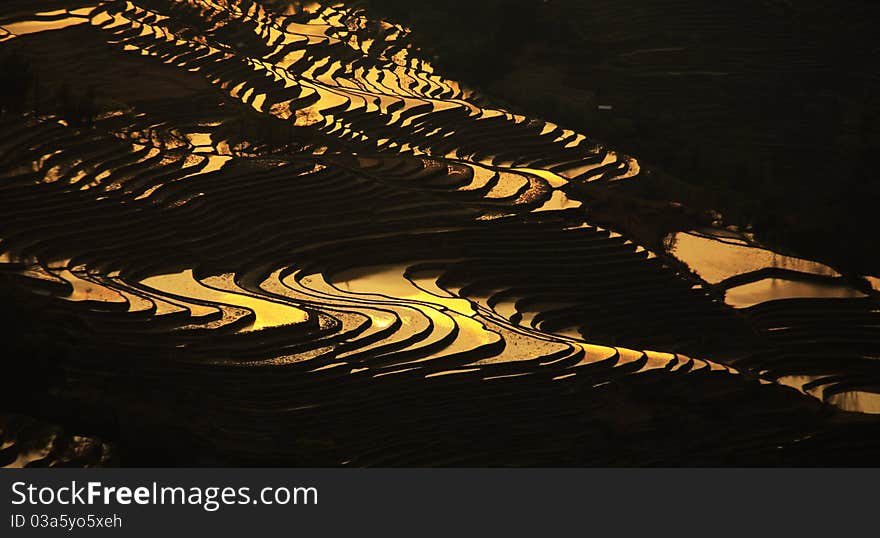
(238,233)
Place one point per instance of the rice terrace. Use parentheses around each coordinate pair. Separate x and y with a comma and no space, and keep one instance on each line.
(257,233)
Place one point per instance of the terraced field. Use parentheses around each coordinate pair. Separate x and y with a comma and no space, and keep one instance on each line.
(273,235)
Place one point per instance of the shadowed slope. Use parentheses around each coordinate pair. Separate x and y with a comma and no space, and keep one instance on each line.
(307,248)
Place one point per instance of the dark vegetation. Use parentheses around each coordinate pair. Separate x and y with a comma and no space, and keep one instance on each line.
(18,82)
(22,91)
(764,110)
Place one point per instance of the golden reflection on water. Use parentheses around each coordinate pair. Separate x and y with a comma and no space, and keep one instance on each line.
(798,382)
(215,162)
(859,401)
(87,290)
(268,313)
(559,201)
(716,260)
(718,255)
(554,179)
(429,316)
(769,289)
(449,315)
(389,281)
(46,21)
